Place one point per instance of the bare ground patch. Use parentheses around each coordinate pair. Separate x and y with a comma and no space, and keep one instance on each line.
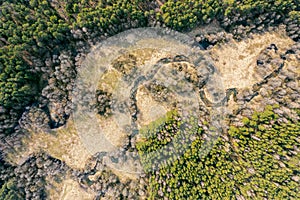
(63,143)
(72,190)
(236,60)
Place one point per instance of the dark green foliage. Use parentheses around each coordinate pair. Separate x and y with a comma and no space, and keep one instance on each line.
(119,10)
(164,140)
(258,161)
(184,15)
(17,81)
(295,15)
(255,7)
(28,32)
(9,191)
(32,27)
(104,16)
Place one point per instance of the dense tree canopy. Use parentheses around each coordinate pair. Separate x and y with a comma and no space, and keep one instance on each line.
(9,191)
(257,161)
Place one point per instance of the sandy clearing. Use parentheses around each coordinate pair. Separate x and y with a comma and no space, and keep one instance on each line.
(63,143)
(71,190)
(236,60)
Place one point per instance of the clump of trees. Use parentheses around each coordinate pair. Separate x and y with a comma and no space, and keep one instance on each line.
(293,24)
(258,160)
(9,191)
(108,16)
(165,139)
(29,30)
(184,15)
(17,81)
